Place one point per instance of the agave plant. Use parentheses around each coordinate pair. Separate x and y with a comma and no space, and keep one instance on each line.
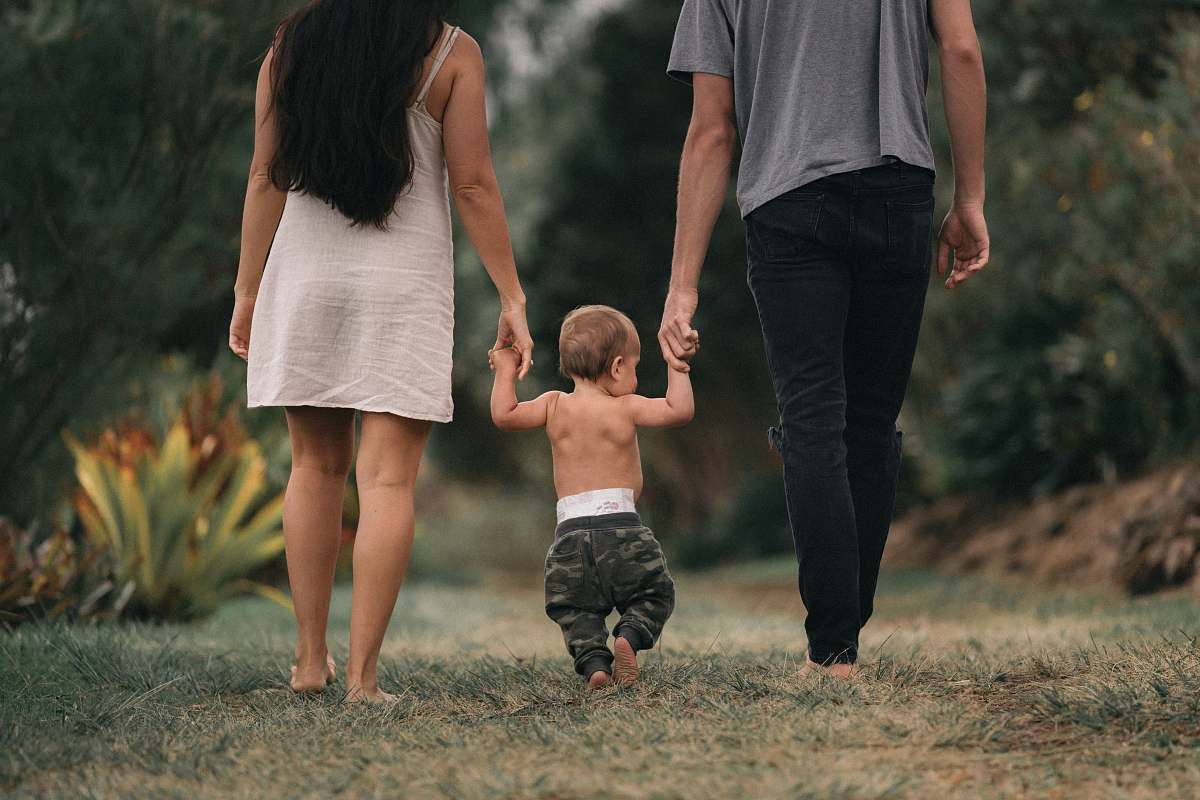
(183,521)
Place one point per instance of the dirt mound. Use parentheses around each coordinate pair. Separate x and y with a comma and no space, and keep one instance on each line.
(1139,536)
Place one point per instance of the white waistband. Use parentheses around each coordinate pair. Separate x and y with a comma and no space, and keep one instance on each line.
(593,504)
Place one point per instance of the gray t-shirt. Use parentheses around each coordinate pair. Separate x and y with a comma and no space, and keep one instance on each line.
(820,86)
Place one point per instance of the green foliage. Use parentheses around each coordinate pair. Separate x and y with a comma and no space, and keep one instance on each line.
(183,521)
(54,578)
(127,127)
(126,137)
(1067,361)
(1070,360)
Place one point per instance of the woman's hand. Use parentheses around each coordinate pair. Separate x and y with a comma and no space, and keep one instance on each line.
(239,327)
(513,331)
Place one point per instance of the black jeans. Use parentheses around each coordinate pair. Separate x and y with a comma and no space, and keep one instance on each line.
(839,269)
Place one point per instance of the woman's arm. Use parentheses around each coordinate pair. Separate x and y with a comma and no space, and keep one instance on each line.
(964,92)
(477,194)
(260,215)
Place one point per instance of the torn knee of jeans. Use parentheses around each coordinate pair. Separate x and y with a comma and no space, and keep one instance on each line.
(776,438)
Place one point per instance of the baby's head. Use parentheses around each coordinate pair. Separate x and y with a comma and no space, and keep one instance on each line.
(601,345)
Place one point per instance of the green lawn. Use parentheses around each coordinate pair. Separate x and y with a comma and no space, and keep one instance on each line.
(969,689)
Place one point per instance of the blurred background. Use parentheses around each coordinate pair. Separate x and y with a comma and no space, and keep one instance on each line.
(133,480)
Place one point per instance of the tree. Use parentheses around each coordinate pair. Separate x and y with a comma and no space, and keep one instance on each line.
(121,192)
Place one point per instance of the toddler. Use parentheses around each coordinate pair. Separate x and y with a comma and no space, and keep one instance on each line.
(602,557)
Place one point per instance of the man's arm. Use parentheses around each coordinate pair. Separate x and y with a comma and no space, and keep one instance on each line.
(703,181)
(676,409)
(507,413)
(964,93)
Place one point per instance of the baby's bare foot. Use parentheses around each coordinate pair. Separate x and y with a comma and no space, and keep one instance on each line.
(812,669)
(598,679)
(625,665)
(377,696)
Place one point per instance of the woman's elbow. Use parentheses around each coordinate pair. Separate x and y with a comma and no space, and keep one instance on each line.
(474,190)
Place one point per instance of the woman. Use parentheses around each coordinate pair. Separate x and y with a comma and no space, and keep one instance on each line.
(365,114)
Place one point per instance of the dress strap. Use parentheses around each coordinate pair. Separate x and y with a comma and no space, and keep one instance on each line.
(439,59)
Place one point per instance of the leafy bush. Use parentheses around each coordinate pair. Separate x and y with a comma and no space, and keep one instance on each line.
(1079,363)
(53,578)
(183,520)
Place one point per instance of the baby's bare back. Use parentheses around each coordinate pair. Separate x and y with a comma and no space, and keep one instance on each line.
(595,446)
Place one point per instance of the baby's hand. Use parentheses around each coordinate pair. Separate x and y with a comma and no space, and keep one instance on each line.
(691,344)
(504,360)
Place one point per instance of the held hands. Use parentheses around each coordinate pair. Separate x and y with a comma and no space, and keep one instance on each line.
(239,327)
(678,339)
(504,361)
(965,232)
(512,336)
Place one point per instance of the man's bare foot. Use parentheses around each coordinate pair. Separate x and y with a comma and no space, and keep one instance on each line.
(841,671)
(330,674)
(598,679)
(625,666)
(356,694)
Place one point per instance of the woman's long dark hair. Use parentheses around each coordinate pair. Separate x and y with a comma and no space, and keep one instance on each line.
(344,72)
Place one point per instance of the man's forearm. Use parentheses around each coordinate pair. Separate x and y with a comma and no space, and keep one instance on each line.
(703,181)
(964,93)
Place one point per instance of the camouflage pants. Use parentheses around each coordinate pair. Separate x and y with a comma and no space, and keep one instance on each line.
(597,564)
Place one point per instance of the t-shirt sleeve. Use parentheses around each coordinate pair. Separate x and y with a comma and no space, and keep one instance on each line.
(703,41)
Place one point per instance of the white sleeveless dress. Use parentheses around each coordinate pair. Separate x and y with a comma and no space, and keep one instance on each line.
(356,317)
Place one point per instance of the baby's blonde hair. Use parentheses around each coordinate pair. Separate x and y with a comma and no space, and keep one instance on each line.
(591,339)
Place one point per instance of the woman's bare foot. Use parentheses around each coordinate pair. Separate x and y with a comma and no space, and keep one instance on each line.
(330,674)
(841,671)
(377,696)
(625,666)
(598,679)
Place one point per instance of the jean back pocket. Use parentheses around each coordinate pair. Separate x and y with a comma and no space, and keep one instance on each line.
(909,236)
(780,230)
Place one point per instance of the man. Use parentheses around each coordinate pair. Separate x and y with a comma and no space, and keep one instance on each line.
(835,185)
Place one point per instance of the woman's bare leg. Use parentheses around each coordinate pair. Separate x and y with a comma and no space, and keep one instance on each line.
(389,456)
(322,449)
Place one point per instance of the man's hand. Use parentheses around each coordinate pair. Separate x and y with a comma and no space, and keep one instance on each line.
(676,336)
(964,232)
(504,360)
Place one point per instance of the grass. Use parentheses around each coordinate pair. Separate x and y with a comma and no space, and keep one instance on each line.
(969,688)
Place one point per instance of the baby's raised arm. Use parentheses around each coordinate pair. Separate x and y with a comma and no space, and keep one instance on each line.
(507,413)
(672,411)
